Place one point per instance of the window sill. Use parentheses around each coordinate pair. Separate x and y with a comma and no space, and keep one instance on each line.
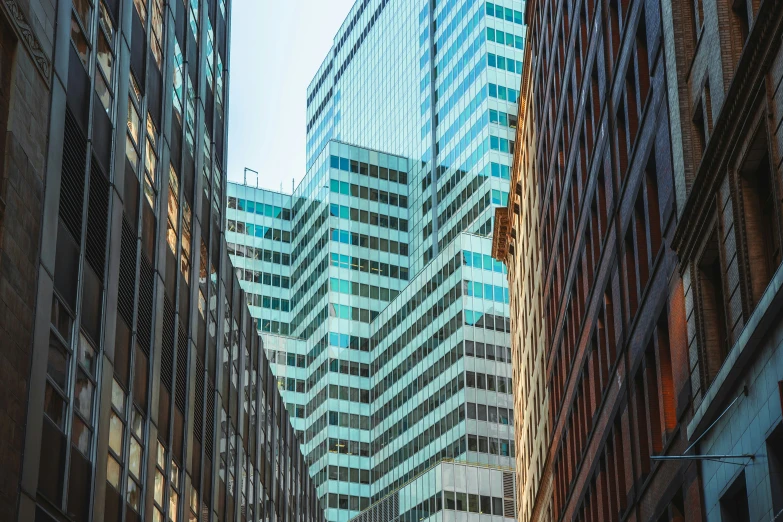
(740,356)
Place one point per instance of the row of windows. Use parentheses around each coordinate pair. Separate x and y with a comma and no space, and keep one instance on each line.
(427,406)
(368,169)
(349,420)
(488,351)
(345,474)
(343,393)
(498,36)
(352,313)
(486,291)
(503,63)
(488,321)
(359,289)
(420,442)
(370,194)
(262,209)
(259,254)
(408,308)
(338,446)
(369,218)
(503,93)
(268,302)
(351,502)
(288,358)
(275,327)
(290,384)
(353,342)
(485,261)
(503,118)
(459,200)
(371,242)
(260,231)
(509,15)
(254,276)
(374,267)
(459,121)
(456,501)
(491,445)
(495,383)
(496,171)
(501,144)
(433,371)
(488,413)
(450,451)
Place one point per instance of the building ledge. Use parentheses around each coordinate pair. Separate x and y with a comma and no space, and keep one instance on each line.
(500,240)
(723,388)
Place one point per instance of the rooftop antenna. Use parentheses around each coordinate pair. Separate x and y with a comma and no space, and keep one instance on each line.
(293,180)
(253,171)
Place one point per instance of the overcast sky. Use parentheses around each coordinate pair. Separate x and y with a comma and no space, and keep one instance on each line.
(276,49)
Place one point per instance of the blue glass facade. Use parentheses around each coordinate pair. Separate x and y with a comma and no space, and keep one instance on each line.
(372,284)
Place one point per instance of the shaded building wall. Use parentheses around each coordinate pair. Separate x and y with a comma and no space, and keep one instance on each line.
(612,302)
(134,384)
(26,35)
(728,238)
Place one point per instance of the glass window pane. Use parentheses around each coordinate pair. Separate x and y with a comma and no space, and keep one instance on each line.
(159,485)
(83,395)
(118,397)
(134,458)
(115,434)
(54,406)
(57,364)
(80,435)
(113,472)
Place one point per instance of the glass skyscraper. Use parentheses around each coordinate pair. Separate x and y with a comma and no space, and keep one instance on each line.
(381,310)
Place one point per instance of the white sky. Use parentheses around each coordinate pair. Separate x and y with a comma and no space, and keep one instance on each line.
(276,49)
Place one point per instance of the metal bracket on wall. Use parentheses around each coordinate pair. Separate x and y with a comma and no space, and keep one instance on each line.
(717,458)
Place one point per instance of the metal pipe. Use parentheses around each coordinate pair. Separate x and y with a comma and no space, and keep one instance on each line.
(700,457)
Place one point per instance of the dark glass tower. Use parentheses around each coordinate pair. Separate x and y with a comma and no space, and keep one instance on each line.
(135,386)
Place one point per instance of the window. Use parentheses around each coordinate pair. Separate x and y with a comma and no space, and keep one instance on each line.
(761,215)
(173,211)
(714,324)
(775,458)
(151,164)
(702,121)
(734,503)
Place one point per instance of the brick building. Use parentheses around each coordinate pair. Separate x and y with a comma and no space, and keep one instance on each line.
(729,72)
(597,299)
(133,384)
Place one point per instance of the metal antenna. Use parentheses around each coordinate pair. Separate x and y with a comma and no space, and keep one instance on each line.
(251,170)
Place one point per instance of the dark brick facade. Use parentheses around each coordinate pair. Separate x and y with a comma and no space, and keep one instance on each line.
(597,165)
(24,122)
(652,148)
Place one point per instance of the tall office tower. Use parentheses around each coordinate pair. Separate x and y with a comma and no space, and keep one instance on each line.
(436,82)
(397,356)
(134,384)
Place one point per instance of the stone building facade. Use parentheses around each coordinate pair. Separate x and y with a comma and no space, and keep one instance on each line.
(730,81)
(597,300)
(133,383)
